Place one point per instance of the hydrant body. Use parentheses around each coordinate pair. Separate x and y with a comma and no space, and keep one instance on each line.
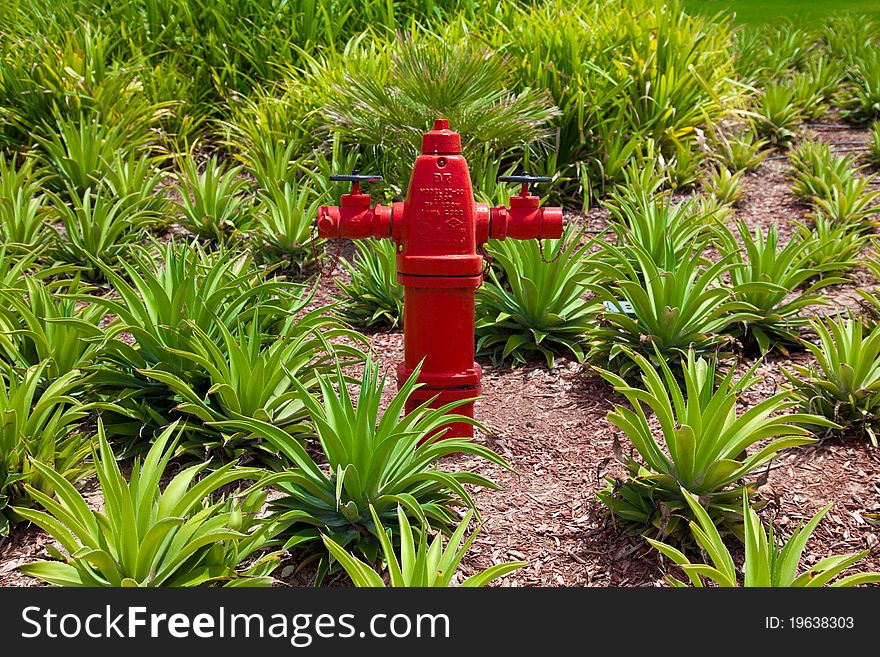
(439,230)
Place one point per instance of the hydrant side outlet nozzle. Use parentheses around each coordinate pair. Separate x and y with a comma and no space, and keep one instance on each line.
(440,230)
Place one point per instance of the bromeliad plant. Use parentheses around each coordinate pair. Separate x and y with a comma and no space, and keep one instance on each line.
(161,300)
(817,169)
(778,115)
(844,384)
(539,306)
(98,230)
(371,460)
(667,230)
(772,284)
(248,377)
(724,186)
(23,209)
(419,564)
(373,297)
(701,445)
(670,311)
(147,536)
(874,144)
(212,205)
(43,324)
(741,152)
(850,202)
(283,221)
(39,423)
(769,561)
(833,246)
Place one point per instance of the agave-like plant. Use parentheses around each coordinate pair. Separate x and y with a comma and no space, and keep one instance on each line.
(372,297)
(539,308)
(667,230)
(81,152)
(39,423)
(419,565)
(212,204)
(769,561)
(772,282)
(817,168)
(740,152)
(844,383)
(40,324)
(851,202)
(778,115)
(98,230)
(160,300)
(283,221)
(863,102)
(248,378)
(833,246)
(147,536)
(23,209)
(668,310)
(701,444)
(380,461)
(724,185)
(874,144)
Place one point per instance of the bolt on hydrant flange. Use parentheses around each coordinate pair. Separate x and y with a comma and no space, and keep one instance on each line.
(440,231)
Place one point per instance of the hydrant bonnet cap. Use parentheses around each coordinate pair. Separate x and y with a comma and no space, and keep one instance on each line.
(441,140)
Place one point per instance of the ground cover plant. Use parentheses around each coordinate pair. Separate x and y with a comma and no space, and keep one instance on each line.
(179,349)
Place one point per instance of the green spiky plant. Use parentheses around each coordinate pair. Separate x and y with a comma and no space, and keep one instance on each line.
(23,209)
(160,297)
(701,445)
(429,76)
(844,383)
(669,310)
(817,169)
(40,423)
(419,565)
(669,231)
(188,534)
(39,323)
(379,460)
(773,284)
(372,297)
(246,377)
(212,204)
(833,246)
(283,222)
(874,144)
(99,230)
(538,309)
(743,151)
(769,561)
(777,114)
(81,152)
(851,202)
(724,186)
(863,102)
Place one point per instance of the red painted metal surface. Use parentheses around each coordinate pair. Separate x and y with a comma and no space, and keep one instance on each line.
(439,231)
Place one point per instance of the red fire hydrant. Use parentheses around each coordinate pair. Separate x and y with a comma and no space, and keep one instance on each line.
(440,231)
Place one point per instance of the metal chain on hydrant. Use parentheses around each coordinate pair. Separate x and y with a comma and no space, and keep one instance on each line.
(322,269)
(554,258)
(487,267)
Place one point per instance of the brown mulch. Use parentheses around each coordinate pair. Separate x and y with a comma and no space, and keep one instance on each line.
(551,427)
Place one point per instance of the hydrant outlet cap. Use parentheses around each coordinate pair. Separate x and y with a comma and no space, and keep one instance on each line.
(441,140)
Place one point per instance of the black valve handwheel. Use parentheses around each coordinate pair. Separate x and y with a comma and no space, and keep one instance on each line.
(525,179)
(354,176)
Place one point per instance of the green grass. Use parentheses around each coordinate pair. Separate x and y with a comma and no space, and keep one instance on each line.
(757,12)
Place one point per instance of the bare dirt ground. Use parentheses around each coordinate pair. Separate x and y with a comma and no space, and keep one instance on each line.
(551,427)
